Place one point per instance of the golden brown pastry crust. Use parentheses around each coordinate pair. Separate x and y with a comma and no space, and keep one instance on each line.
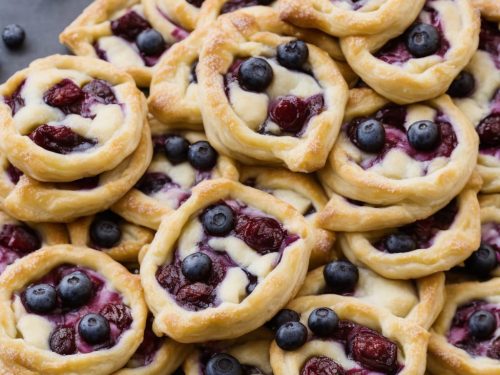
(489,9)
(17,352)
(228,320)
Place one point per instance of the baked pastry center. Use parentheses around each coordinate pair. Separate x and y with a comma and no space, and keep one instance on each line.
(16,241)
(222,255)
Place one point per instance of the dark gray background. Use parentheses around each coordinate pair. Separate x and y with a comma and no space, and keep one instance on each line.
(43,20)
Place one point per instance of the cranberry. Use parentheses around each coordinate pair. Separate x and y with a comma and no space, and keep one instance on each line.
(291,112)
(263,234)
(63,94)
(118,314)
(14,173)
(153,182)
(392,115)
(372,350)
(168,277)
(199,295)
(344,329)
(322,366)
(129,25)
(62,341)
(20,238)
(60,139)
(489,131)
(101,91)
(494,350)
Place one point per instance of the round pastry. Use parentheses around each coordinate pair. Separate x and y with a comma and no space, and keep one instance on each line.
(436,243)
(282,105)
(31,200)
(304,194)
(353,337)
(69,309)
(403,162)
(465,337)
(65,118)
(111,234)
(418,63)
(182,159)
(130,34)
(345,17)
(224,263)
(419,301)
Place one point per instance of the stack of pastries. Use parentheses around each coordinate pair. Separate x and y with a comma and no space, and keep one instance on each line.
(245,187)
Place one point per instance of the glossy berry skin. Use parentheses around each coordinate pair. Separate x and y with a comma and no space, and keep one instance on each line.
(41,298)
(218,220)
(202,156)
(482,324)
(423,40)
(283,316)
(176,149)
(341,276)
(293,55)
(60,139)
(291,336)
(13,36)
(94,329)
(489,131)
(372,350)
(223,364)
(263,234)
(323,366)
(369,135)
(289,112)
(482,261)
(323,321)
(129,26)
(424,135)
(462,86)
(197,267)
(255,74)
(75,289)
(105,233)
(150,42)
(20,238)
(400,243)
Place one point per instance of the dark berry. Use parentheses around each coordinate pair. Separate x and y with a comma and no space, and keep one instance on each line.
(289,112)
(198,295)
(129,25)
(60,139)
(168,277)
(62,341)
(283,316)
(101,91)
(218,220)
(424,135)
(153,182)
(255,74)
(150,42)
(94,328)
(20,238)
(75,289)
(482,261)
(291,336)
(41,298)
(462,86)
(323,321)
(197,267)
(119,314)
(14,173)
(63,94)
(105,233)
(263,234)
(373,350)
(482,324)
(369,135)
(494,350)
(196,3)
(489,131)
(341,276)
(322,366)
(223,364)
(13,36)
(423,40)
(202,156)
(293,55)
(400,243)
(176,149)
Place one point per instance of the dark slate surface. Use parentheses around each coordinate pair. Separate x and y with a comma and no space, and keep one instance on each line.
(42,20)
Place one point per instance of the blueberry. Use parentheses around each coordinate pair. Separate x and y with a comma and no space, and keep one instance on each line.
(223,364)
(255,74)
(482,324)
(293,55)
(13,36)
(323,321)
(176,149)
(482,261)
(41,298)
(423,135)
(150,42)
(291,336)
(370,135)
(423,40)
(75,289)
(202,156)
(197,267)
(341,276)
(218,220)
(462,86)
(400,243)
(94,328)
(283,316)
(105,232)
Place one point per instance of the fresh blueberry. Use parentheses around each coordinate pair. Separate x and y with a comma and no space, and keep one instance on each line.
(202,156)
(105,233)
(341,276)
(482,324)
(197,267)
(41,298)
(462,86)
(400,243)
(323,321)
(13,36)
(94,328)
(283,316)
(75,289)
(423,40)
(423,135)
(291,336)
(255,74)
(218,220)
(223,364)
(176,149)
(370,135)
(482,261)
(150,42)
(293,55)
